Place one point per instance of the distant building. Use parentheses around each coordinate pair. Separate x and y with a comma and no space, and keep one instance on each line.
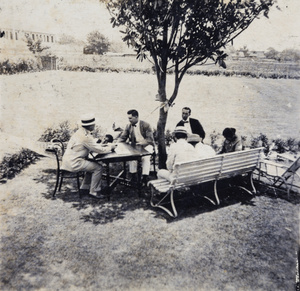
(13,42)
(17,35)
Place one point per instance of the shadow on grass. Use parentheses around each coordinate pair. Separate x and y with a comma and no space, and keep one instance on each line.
(192,203)
(273,193)
(122,199)
(125,199)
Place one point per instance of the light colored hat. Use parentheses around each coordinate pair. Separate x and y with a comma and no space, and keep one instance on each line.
(88,119)
(180,129)
(193,138)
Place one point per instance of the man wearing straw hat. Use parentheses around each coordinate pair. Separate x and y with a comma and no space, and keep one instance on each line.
(78,149)
(180,151)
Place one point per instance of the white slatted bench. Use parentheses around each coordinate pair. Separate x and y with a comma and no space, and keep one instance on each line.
(205,170)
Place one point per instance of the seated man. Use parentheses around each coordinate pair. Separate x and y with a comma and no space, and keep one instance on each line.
(78,149)
(180,151)
(138,132)
(231,143)
(202,150)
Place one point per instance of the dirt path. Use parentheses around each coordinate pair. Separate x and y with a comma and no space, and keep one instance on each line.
(73,244)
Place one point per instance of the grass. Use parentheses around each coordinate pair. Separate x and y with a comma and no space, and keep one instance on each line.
(247,243)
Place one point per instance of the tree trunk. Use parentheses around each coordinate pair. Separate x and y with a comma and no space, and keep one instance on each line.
(161,125)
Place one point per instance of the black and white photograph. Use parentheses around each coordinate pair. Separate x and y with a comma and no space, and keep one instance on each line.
(149,145)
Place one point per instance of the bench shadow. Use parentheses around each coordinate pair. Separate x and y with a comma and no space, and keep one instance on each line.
(192,206)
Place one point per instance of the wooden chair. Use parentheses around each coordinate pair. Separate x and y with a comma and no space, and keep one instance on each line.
(57,147)
(278,175)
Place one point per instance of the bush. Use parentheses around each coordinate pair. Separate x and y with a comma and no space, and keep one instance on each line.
(278,145)
(214,137)
(260,141)
(8,67)
(64,132)
(12,165)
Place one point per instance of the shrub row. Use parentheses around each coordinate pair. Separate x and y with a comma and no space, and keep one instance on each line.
(14,164)
(264,75)
(63,131)
(8,67)
(226,73)
(102,70)
(30,65)
(279,145)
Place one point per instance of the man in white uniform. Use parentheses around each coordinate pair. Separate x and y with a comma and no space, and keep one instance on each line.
(78,149)
(180,151)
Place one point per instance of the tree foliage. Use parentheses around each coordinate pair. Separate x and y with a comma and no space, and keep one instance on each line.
(35,46)
(290,55)
(178,34)
(287,55)
(97,43)
(271,53)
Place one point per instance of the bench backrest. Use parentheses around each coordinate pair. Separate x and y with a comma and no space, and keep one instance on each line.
(217,167)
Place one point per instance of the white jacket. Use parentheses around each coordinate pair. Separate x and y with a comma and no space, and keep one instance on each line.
(180,151)
(79,147)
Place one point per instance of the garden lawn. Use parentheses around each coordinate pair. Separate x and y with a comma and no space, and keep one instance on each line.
(248,243)
(30,103)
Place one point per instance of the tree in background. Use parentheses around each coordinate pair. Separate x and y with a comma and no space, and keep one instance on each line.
(97,43)
(271,53)
(35,46)
(178,34)
(290,55)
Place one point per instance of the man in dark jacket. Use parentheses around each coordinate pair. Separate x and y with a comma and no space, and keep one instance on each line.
(192,125)
(139,132)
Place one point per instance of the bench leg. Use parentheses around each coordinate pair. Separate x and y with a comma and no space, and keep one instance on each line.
(216,193)
(253,192)
(170,193)
(251,182)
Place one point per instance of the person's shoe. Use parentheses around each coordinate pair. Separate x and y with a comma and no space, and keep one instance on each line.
(98,195)
(145,180)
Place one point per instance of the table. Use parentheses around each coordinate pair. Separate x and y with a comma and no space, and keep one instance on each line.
(124,152)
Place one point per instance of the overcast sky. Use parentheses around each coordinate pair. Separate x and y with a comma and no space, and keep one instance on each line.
(79,17)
